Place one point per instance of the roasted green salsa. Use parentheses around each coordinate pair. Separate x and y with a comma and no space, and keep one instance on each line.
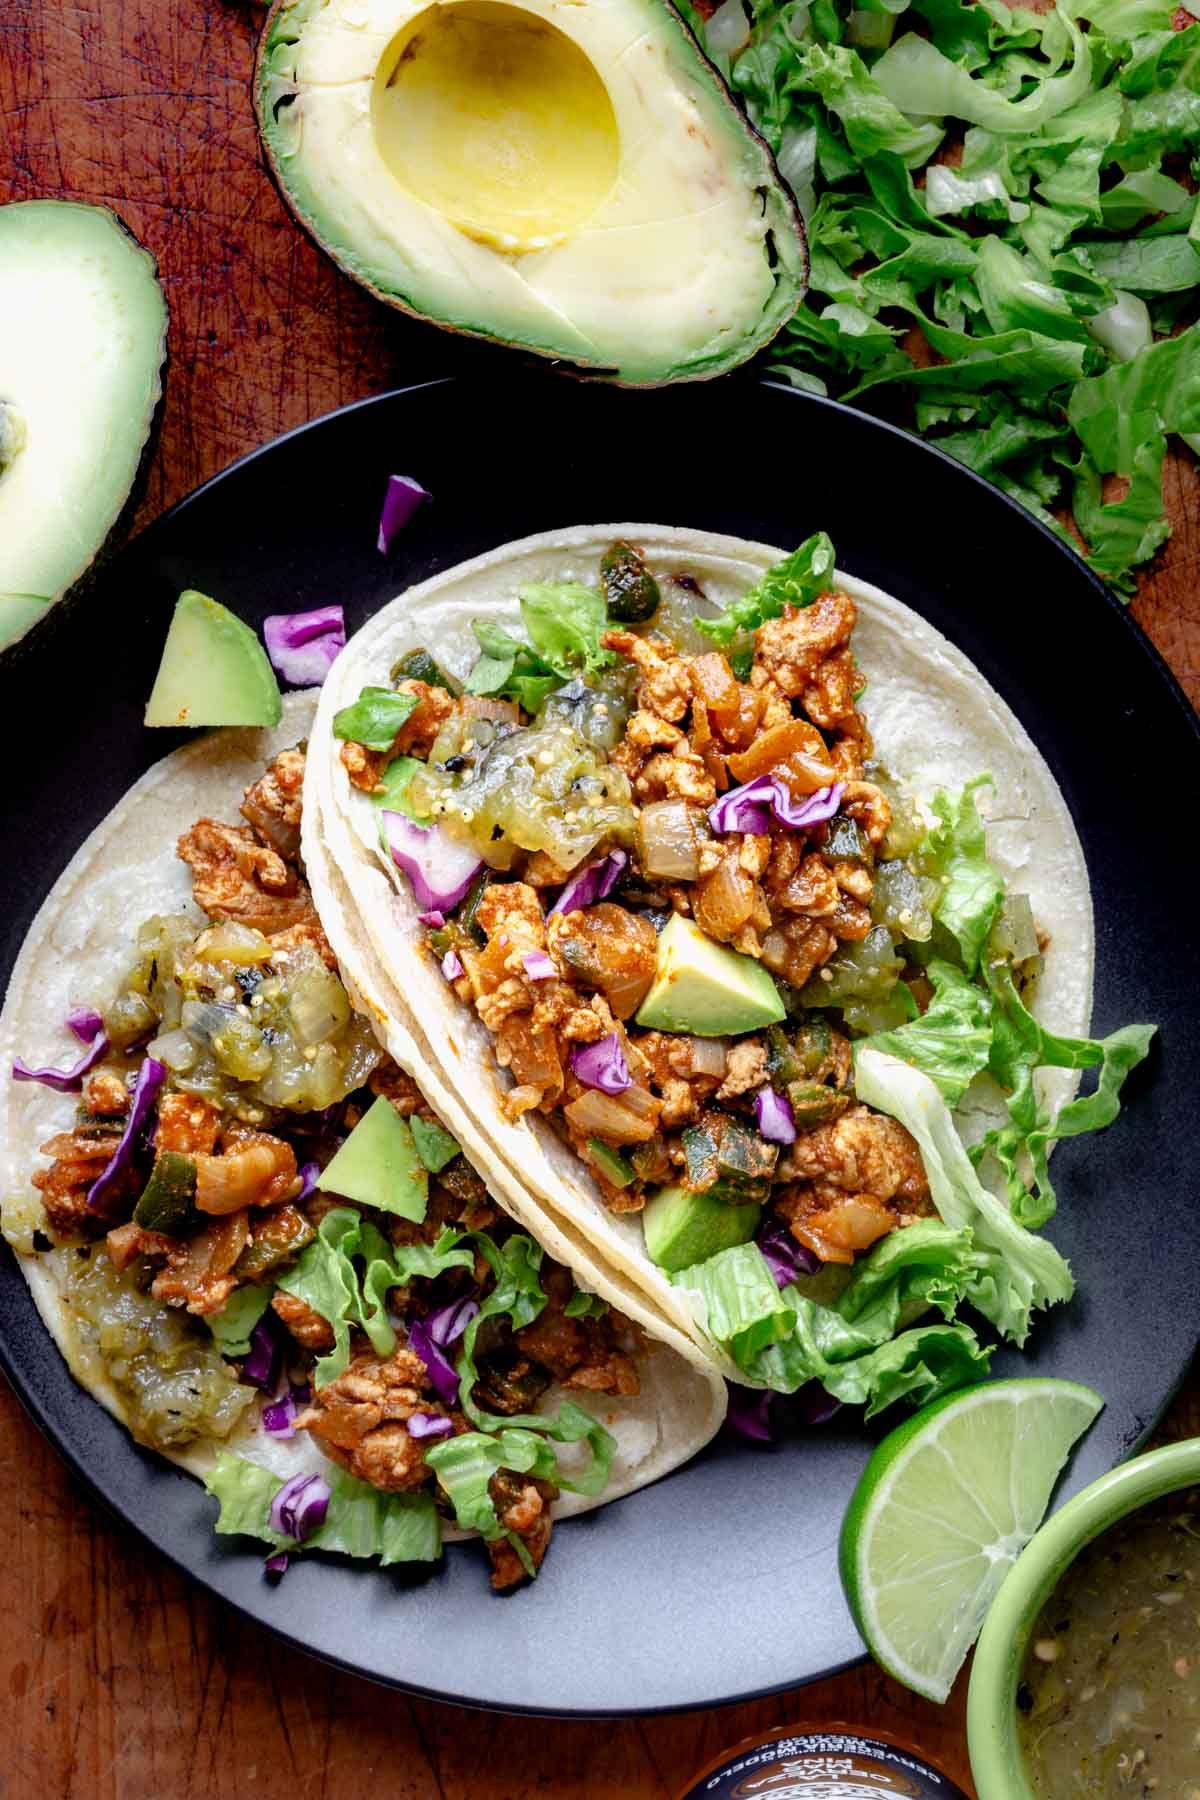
(1109,1698)
(175,1384)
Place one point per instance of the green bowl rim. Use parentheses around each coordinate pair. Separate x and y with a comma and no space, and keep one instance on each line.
(996,1761)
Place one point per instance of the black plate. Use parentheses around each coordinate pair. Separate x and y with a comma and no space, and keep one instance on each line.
(720,1582)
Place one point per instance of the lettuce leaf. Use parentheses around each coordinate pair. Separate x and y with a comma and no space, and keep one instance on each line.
(951,1041)
(231,1327)
(465,1463)
(918,1365)
(509,668)
(865,111)
(1067,135)
(955,851)
(565,621)
(374,718)
(923,83)
(345,1275)
(1019,1046)
(859,1347)
(796,581)
(1014,1272)
(361,1521)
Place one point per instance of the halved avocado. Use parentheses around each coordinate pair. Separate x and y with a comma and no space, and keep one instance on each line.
(568,176)
(83,327)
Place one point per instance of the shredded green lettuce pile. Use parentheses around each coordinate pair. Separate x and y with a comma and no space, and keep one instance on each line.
(345,1274)
(1048,253)
(872,1345)
(361,1521)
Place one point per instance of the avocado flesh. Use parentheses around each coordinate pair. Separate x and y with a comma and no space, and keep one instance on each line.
(682,1228)
(706,990)
(378,1165)
(213,671)
(572,179)
(83,329)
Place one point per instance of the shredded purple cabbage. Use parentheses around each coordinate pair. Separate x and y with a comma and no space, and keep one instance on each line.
(299,1507)
(150,1078)
(595,881)
(429,1425)
(63,1081)
(538,966)
(774,1117)
(443,1376)
(440,869)
(450,1321)
(403,500)
(785,1256)
(812,1405)
(265,1358)
(280,1417)
(430,1337)
(310,1180)
(749,1413)
(85,1024)
(303,646)
(750,807)
(602,1065)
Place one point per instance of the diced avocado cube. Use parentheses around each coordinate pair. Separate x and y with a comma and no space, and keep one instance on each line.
(213,671)
(727,1160)
(682,1228)
(378,1165)
(168,1200)
(704,989)
(812,1104)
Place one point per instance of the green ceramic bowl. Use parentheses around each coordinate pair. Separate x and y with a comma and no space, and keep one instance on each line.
(996,1761)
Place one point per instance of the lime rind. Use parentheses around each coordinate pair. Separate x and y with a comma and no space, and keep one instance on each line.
(945,1506)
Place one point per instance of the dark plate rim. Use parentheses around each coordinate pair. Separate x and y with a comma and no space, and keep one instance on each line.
(144,543)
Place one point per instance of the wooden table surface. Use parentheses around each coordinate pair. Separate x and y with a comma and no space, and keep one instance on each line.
(119,1678)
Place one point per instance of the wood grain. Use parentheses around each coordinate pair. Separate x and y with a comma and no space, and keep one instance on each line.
(119,1678)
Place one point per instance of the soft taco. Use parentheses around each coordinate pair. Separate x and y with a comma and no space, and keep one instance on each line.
(741,914)
(256,1243)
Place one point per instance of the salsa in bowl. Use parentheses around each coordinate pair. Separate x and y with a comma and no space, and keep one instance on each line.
(1088,1668)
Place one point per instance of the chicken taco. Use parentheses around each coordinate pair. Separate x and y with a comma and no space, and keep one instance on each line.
(256,1243)
(730,901)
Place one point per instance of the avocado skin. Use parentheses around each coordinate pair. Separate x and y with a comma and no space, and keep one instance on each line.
(283,27)
(682,1228)
(130,442)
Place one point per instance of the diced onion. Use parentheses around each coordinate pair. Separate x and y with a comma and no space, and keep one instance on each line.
(622,1120)
(667,833)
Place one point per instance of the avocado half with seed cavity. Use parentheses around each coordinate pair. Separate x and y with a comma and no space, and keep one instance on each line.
(571,177)
(83,329)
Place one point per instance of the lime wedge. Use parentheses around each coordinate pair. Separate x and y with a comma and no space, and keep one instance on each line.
(944,1508)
